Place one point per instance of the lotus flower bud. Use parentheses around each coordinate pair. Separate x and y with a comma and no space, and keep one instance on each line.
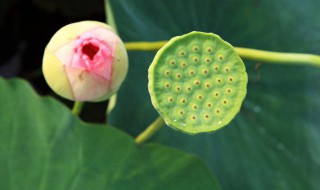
(85,61)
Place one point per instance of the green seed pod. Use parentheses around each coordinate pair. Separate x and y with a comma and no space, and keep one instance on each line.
(85,61)
(197,82)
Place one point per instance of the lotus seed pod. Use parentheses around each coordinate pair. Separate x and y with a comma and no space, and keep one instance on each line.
(197,82)
(85,61)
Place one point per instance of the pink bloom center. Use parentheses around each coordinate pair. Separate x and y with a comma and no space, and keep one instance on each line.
(93,55)
(90,50)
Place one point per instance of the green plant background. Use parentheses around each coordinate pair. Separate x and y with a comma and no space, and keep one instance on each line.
(274,142)
(44,146)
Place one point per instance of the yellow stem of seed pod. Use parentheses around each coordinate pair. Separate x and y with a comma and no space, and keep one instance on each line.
(244,53)
(77,107)
(150,130)
(144,46)
(279,58)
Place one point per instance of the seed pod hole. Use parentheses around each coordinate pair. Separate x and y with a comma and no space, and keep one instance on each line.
(195,59)
(183,64)
(218,80)
(182,53)
(195,48)
(227,69)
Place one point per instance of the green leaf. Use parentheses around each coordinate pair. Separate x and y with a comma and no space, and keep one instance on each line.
(44,146)
(274,141)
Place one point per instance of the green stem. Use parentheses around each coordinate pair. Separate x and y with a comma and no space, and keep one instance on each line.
(77,107)
(150,130)
(110,17)
(144,46)
(112,103)
(277,57)
(244,53)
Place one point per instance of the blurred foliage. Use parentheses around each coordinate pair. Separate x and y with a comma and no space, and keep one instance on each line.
(44,146)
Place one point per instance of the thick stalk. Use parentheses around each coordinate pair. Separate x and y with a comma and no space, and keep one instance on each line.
(77,107)
(110,17)
(150,130)
(244,53)
(144,46)
(277,57)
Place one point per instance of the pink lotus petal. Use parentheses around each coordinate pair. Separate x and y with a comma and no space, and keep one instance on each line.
(90,51)
(91,58)
(86,85)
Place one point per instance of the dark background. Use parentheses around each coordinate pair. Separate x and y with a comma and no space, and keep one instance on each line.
(26,26)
